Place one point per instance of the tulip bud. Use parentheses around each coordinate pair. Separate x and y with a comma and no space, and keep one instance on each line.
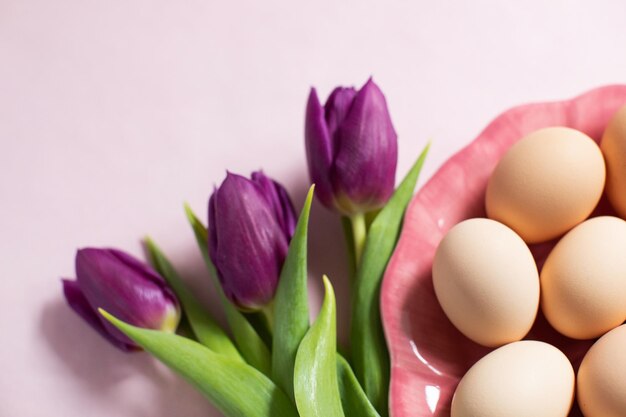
(123,286)
(251,222)
(351,148)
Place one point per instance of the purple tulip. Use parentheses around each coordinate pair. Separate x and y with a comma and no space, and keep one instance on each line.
(123,286)
(352,149)
(251,222)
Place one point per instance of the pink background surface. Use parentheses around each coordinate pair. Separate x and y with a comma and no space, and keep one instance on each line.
(114,113)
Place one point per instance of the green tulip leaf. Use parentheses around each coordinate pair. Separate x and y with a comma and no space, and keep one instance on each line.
(250,344)
(206,330)
(237,389)
(353,398)
(369,355)
(291,309)
(316,387)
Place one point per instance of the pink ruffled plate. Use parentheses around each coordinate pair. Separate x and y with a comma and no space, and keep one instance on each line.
(428,355)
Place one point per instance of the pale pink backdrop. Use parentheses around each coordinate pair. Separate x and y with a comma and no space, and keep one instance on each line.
(113,113)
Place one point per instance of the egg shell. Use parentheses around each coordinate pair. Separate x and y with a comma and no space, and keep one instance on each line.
(522,379)
(583,280)
(546,183)
(601,384)
(486,281)
(613,147)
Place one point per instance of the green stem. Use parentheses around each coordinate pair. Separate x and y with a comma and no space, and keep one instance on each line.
(346,225)
(359,233)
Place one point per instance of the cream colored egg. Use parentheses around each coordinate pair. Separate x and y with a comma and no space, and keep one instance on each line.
(602,377)
(583,281)
(547,183)
(522,379)
(614,150)
(487,282)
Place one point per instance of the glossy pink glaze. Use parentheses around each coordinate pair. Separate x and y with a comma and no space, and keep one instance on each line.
(428,355)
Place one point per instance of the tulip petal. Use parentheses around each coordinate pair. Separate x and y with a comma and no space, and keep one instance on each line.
(135,264)
(119,283)
(77,302)
(250,344)
(366,152)
(251,245)
(147,272)
(279,199)
(288,211)
(337,106)
(211,230)
(319,149)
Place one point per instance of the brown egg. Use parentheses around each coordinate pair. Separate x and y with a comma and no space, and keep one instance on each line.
(547,183)
(583,281)
(602,377)
(522,379)
(486,281)
(614,150)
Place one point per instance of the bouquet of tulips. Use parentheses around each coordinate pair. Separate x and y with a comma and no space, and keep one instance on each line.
(271,361)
